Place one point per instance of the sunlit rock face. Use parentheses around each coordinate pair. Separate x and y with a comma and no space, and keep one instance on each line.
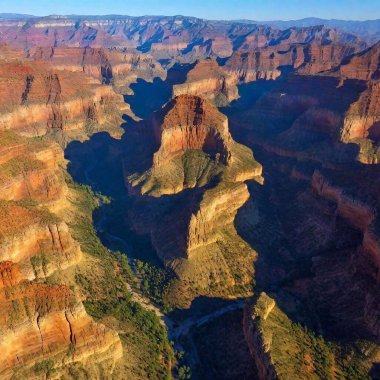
(209,80)
(44,320)
(38,97)
(196,184)
(362,120)
(190,187)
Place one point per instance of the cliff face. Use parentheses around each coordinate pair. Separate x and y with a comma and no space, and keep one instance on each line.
(259,341)
(28,168)
(106,66)
(209,80)
(359,215)
(268,63)
(44,98)
(323,205)
(41,322)
(302,355)
(361,124)
(44,326)
(314,224)
(177,39)
(306,50)
(363,66)
(191,123)
(196,238)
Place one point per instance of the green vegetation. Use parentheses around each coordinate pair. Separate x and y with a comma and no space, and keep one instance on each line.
(83,229)
(46,367)
(150,332)
(184,373)
(300,353)
(199,167)
(107,295)
(20,165)
(369,151)
(155,282)
(39,262)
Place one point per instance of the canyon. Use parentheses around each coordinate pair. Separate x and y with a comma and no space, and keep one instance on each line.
(179,194)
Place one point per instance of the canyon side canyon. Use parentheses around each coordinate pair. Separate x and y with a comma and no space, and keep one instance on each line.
(183,198)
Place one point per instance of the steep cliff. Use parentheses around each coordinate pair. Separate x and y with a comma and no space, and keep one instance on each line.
(362,120)
(318,229)
(114,67)
(208,79)
(42,322)
(45,98)
(58,284)
(283,349)
(306,50)
(195,151)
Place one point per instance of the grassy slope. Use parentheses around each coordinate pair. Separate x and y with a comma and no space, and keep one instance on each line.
(298,353)
(101,278)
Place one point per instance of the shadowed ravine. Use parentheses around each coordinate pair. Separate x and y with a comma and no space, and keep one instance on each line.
(268,222)
(98,163)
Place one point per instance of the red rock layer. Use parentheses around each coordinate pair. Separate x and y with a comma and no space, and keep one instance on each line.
(190,123)
(43,97)
(39,321)
(209,80)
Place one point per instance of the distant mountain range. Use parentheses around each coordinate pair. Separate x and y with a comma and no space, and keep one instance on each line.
(15,16)
(368,29)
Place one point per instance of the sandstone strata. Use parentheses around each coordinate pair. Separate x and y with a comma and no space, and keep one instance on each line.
(209,80)
(195,151)
(45,98)
(43,321)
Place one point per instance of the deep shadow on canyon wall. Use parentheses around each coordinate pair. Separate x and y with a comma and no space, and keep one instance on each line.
(272,219)
(98,163)
(265,221)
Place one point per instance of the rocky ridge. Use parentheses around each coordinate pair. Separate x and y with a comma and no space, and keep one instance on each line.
(195,149)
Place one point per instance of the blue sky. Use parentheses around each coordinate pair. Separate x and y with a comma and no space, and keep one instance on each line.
(211,9)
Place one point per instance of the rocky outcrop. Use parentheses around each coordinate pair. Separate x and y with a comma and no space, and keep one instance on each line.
(270,62)
(197,239)
(283,349)
(36,241)
(43,99)
(114,67)
(362,120)
(259,344)
(29,169)
(306,50)
(191,123)
(40,322)
(44,326)
(173,39)
(324,204)
(208,79)
(190,130)
(362,66)
(359,215)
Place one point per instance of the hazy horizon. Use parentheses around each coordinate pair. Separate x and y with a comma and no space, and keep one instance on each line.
(183,15)
(253,10)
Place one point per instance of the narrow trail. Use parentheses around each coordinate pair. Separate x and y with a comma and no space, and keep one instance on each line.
(175,330)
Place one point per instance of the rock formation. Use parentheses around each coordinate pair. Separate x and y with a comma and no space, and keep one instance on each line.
(44,97)
(324,205)
(192,190)
(362,120)
(208,79)
(195,151)
(307,50)
(107,66)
